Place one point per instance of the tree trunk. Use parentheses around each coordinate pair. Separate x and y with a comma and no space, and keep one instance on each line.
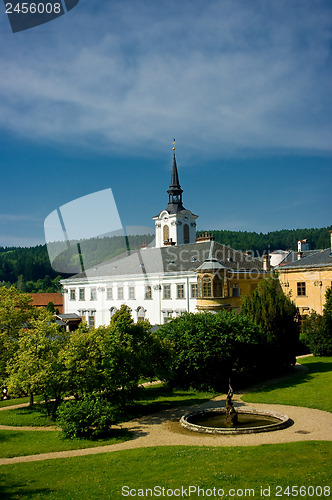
(31,398)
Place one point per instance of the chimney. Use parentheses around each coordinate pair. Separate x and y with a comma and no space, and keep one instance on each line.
(266,262)
(299,255)
(302,245)
(204,237)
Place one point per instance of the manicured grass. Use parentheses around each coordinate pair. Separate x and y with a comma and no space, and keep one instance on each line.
(34,416)
(19,443)
(15,401)
(154,398)
(312,389)
(103,476)
(160,397)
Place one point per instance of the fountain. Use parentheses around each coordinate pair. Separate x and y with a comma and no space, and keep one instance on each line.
(230,421)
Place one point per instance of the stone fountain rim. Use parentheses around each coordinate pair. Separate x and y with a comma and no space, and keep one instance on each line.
(285,421)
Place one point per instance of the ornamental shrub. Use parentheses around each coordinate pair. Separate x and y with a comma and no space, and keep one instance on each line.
(89,417)
(208,348)
(317,330)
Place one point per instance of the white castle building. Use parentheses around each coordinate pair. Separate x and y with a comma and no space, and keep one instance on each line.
(162,282)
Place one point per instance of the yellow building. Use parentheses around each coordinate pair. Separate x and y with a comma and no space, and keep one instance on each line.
(307,280)
(224,277)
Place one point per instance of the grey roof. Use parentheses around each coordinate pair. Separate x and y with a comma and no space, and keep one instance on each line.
(68,316)
(312,258)
(292,256)
(172,259)
(211,265)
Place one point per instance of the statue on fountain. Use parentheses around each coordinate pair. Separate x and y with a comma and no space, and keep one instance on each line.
(231,414)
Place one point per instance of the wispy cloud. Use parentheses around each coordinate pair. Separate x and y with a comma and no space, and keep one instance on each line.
(220,75)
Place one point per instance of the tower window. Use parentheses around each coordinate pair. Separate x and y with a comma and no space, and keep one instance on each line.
(166,233)
(186,233)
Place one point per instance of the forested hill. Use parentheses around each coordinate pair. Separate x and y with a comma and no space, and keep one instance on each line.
(285,239)
(30,270)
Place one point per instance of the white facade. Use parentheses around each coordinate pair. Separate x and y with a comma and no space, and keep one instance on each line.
(156,298)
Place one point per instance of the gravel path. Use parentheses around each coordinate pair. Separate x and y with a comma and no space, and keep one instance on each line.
(163,429)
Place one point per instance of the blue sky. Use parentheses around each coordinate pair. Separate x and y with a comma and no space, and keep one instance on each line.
(93,99)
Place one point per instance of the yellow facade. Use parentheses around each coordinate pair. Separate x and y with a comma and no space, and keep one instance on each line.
(310,296)
(224,290)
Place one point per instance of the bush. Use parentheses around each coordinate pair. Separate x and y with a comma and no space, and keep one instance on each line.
(209,348)
(89,417)
(277,316)
(317,330)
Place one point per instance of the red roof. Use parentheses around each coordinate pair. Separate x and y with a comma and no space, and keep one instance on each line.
(42,299)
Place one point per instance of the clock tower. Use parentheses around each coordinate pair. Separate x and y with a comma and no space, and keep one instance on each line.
(175,225)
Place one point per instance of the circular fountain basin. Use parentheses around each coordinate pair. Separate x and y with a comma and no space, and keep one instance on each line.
(250,420)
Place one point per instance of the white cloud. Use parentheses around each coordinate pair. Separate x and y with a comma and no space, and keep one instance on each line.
(220,75)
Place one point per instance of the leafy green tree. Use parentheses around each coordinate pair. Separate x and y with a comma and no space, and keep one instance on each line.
(15,312)
(113,358)
(36,367)
(317,329)
(209,348)
(277,316)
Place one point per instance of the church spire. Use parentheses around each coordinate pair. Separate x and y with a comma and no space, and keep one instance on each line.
(175,191)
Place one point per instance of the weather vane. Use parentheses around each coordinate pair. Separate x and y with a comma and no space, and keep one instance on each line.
(173,144)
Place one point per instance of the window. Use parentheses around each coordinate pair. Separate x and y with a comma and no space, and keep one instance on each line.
(186,233)
(148,292)
(93,294)
(167,292)
(167,316)
(72,295)
(193,288)
(91,321)
(207,287)
(301,288)
(112,311)
(140,314)
(109,293)
(120,292)
(166,233)
(180,291)
(132,292)
(81,294)
(235,290)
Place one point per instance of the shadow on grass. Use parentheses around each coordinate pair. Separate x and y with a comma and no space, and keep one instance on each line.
(11,491)
(302,378)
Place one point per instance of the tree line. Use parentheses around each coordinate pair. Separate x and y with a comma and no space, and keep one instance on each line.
(30,270)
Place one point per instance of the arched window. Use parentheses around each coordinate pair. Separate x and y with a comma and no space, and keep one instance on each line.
(112,311)
(140,313)
(207,286)
(166,232)
(186,233)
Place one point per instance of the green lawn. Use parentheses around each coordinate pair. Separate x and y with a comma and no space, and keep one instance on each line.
(15,401)
(19,443)
(154,398)
(312,389)
(34,416)
(103,476)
